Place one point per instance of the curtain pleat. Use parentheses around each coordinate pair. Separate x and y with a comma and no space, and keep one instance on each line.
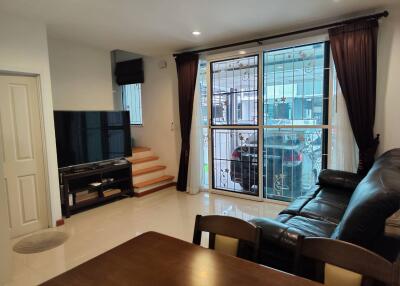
(186,65)
(354,50)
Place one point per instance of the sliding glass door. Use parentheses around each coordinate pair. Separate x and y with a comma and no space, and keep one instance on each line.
(275,150)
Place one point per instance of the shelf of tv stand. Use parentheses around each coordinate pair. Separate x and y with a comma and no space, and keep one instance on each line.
(75,181)
(96,201)
(101,187)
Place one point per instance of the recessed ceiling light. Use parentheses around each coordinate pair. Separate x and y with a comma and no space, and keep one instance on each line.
(242,52)
(196,33)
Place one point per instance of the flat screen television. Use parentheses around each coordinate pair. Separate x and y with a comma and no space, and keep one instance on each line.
(91,136)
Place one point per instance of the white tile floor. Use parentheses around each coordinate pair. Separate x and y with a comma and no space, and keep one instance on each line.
(98,230)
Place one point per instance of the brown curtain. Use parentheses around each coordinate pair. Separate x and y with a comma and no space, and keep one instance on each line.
(354,49)
(186,65)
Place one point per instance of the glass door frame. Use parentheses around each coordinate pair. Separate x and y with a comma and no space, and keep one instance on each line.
(229,56)
(260,126)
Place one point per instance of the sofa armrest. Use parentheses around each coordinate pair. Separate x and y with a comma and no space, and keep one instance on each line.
(339,179)
(277,232)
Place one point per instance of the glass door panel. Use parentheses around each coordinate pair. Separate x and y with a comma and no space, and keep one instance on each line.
(293,158)
(235,160)
(234,110)
(296,92)
(234,91)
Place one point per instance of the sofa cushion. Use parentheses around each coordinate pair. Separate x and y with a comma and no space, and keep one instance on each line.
(283,217)
(310,227)
(285,234)
(324,210)
(276,232)
(375,199)
(335,195)
(329,205)
(339,179)
(297,205)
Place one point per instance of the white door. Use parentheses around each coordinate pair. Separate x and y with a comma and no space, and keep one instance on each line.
(22,154)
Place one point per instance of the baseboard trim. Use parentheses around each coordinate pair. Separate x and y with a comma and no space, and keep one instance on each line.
(156,189)
(60,222)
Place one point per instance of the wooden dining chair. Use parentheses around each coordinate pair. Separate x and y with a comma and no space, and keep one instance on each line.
(226,233)
(345,264)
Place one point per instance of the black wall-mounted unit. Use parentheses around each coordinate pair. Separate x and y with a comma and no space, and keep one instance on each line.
(129,72)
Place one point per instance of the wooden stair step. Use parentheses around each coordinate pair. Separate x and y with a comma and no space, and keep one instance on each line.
(148,170)
(161,179)
(143,160)
(140,149)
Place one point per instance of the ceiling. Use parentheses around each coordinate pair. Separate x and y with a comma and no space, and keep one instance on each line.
(159,27)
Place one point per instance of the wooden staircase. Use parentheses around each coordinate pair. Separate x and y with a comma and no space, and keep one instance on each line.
(148,173)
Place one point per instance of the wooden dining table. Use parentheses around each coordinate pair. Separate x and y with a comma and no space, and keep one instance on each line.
(156,259)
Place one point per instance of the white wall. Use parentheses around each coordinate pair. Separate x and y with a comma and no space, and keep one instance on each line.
(80,76)
(160,129)
(388,82)
(23,49)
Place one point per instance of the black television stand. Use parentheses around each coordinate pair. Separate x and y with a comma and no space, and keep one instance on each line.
(94,185)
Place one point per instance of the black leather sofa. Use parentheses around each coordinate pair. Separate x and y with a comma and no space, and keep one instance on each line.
(342,206)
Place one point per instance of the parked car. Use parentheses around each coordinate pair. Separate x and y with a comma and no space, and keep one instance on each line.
(283,164)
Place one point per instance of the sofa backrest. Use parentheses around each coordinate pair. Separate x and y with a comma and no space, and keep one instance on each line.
(376,198)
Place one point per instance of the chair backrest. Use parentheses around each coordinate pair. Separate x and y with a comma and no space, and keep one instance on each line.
(226,232)
(346,263)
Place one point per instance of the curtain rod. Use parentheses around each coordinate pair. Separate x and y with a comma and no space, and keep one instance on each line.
(259,40)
